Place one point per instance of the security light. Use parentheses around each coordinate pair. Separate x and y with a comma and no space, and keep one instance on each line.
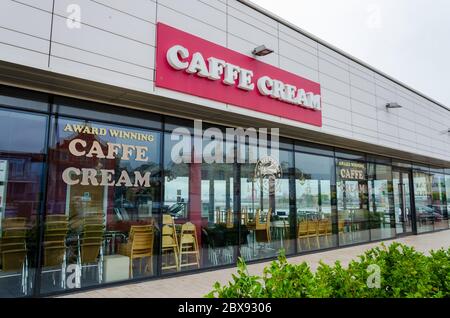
(393,105)
(261,50)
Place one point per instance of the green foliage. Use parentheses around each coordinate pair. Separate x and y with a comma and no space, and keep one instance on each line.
(403,273)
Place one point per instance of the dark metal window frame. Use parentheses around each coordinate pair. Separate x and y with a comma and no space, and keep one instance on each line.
(324,151)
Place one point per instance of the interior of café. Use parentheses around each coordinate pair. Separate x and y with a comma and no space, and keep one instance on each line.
(149,216)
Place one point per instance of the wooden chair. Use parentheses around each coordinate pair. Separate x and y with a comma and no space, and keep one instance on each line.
(218,216)
(169,242)
(140,246)
(189,245)
(302,232)
(13,256)
(229,219)
(341,230)
(244,216)
(313,231)
(90,243)
(54,245)
(322,231)
(14,229)
(13,247)
(56,229)
(56,218)
(13,222)
(262,229)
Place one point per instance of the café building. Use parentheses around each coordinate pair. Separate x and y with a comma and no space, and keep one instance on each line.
(103,174)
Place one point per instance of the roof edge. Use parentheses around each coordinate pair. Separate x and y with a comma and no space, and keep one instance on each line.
(337,50)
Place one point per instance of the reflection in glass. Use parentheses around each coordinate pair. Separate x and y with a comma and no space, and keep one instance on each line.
(447,196)
(313,184)
(381,205)
(220,230)
(425,213)
(439,201)
(283,219)
(182,208)
(265,206)
(402,201)
(200,220)
(102,205)
(352,202)
(21,174)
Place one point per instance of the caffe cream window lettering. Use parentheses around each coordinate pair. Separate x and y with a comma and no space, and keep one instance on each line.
(92,147)
(180,59)
(349,170)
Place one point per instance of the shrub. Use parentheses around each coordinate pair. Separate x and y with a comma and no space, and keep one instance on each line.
(404,273)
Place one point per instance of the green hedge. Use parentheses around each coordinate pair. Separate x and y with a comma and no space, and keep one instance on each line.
(403,272)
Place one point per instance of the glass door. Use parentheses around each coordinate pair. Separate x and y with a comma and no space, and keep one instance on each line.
(402,201)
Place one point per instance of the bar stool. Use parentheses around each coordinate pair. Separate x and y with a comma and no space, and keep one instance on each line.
(189,245)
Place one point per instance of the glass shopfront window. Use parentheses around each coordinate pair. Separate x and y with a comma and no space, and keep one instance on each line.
(425,213)
(220,226)
(22,154)
(200,214)
(265,203)
(182,218)
(220,213)
(284,217)
(447,196)
(381,202)
(352,202)
(314,184)
(439,204)
(80,205)
(101,222)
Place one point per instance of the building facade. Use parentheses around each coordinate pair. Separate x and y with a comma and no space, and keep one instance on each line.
(103,174)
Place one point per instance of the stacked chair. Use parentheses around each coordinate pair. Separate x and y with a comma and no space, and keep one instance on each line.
(244,216)
(302,233)
(189,250)
(308,229)
(169,243)
(229,219)
(13,248)
(140,246)
(314,229)
(90,243)
(218,216)
(56,229)
(323,230)
(262,229)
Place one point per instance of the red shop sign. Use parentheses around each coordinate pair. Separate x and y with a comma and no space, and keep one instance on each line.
(189,64)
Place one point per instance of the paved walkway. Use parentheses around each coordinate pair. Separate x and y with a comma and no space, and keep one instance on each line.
(197,285)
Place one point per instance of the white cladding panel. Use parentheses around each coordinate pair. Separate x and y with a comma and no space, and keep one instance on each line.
(116,45)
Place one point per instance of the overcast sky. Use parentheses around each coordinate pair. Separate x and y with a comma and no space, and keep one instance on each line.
(406,39)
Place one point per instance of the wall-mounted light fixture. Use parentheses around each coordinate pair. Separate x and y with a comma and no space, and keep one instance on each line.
(393,105)
(261,50)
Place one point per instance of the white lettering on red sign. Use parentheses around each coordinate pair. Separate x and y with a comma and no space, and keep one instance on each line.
(217,69)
